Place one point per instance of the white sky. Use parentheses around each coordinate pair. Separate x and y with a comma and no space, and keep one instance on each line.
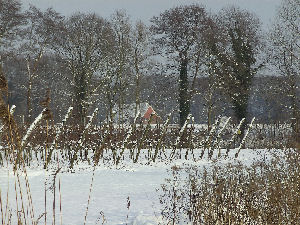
(145,9)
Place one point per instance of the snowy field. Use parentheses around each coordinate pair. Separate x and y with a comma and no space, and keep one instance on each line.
(111,188)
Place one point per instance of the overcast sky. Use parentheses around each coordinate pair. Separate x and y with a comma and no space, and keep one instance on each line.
(145,9)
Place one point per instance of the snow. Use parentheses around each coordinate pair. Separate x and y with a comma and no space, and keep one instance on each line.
(112,187)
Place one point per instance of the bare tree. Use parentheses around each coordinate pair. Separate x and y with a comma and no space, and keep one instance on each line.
(37,36)
(140,55)
(83,43)
(120,62)
(237,49)
(11,18)
(116,64)
(211,93)
(284,54)
(177,32)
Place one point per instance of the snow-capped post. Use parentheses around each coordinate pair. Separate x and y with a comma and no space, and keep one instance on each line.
(182,129)
(235,133)
(28,132)
(63,122)
(163,134)
(82,138)
(125,142)
(244,138)
(59,130)
(31,128)
(190,139)
(204,143)
(12,110)
(87,126)
(216,142)
(141,141)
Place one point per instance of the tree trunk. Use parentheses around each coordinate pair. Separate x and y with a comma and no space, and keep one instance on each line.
(29,106)
(80,99)
(137,88)
(184,101)
(295,107)
(240,110)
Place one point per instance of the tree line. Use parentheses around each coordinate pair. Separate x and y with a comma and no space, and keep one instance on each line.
(187,59)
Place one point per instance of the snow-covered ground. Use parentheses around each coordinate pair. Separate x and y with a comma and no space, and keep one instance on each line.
(111,188)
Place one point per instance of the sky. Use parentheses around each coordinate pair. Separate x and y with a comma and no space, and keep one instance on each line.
(146,9)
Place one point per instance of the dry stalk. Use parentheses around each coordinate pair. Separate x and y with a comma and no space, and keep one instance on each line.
(1,208)
(17,205)
(60,208)
(21,197)
(90,194)
(7,200)
(15,143)
(54,193)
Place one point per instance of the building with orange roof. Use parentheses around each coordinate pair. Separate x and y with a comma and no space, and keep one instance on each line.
(151,116)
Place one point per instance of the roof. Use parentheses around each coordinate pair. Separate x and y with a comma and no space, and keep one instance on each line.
(144,109)
(149,112)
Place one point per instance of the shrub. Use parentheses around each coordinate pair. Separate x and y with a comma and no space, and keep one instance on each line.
(267,192)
